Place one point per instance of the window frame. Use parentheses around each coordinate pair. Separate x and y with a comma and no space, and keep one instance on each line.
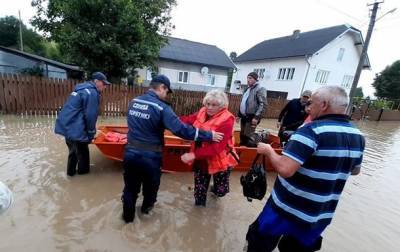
(211,77)
(347,81)
(260,72)
(340,55)
(286,73)
(322,76)
(183,77)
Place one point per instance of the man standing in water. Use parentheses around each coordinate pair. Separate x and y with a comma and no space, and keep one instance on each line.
(252,106)
(312,172)
(293,115)
(148,116)
(77,122)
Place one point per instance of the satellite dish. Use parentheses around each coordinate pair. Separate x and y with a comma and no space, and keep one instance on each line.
(204,70)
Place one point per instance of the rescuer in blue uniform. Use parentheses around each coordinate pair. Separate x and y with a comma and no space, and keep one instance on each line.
(148,116)
(77,122)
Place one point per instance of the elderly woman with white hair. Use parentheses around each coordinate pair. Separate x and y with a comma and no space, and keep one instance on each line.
(211,158)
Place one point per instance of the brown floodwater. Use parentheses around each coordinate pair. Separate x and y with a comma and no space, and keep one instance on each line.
(53,212)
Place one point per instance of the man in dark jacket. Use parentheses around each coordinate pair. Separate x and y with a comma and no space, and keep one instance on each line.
(77,121)
(252,107)
(293,115)
(148,116)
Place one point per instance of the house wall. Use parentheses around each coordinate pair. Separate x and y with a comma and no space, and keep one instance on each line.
(11,63)
(326,59)
(306,69)
(196,81)
(270,80)
(55,72)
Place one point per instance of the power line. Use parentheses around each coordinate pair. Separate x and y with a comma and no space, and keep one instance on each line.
(339,11)
(388,12)
(386,27)
(379,18)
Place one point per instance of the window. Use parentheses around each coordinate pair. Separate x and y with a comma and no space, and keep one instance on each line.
(211,79)
(340,54)
(322,76)
(286,73)
(260,72)
(347,81)
(183,77)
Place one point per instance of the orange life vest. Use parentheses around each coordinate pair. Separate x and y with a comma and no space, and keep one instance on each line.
(224,159)
(115,137)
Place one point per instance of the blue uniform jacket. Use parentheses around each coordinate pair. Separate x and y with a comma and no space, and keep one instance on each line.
(149,116)
(77,119)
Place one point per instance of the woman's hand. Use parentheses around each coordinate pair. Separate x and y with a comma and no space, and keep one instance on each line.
(217,136)
(188,158)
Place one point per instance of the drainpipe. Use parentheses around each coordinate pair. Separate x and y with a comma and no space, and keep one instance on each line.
(305,77)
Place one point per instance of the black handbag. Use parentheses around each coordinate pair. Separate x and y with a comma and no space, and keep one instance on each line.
(257,137)
(254,183)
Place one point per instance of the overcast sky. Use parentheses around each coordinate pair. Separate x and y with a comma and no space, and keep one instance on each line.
(237,25)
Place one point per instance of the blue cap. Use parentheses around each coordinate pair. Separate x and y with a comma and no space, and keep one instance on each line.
(101,77)
(160,78)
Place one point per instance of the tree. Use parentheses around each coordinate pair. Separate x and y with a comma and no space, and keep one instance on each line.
(387,83)
(9,30)
(229,80)
(233,55)
(33,42)
(359,92)
(52,51)
(115,36)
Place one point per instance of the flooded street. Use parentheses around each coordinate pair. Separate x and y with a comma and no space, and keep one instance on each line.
(53,212)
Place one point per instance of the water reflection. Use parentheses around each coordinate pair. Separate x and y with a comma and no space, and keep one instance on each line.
(55,213)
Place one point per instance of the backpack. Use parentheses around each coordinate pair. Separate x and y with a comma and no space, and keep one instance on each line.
(254,183)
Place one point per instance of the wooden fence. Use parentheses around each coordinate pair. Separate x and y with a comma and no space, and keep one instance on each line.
(41,96)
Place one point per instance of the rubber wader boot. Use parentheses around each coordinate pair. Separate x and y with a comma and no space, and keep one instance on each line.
(128,213)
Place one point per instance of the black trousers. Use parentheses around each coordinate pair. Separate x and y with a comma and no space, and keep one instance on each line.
(78,155)
(246,129)
(141,168)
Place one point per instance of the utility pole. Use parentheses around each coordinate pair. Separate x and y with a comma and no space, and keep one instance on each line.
(363,55)
(21,46)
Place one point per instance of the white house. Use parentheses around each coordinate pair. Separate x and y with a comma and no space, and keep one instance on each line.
(191,65)
(13,61)
(308,60)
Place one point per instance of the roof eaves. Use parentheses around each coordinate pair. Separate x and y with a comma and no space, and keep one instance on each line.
(40,58)
(198,63)
(271,58)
